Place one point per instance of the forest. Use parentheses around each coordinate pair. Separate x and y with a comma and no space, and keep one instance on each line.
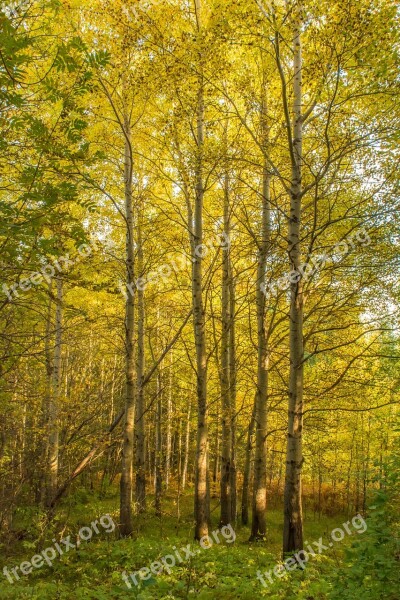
(199,303)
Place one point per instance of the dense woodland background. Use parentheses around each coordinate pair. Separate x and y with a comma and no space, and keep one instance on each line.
(199,292)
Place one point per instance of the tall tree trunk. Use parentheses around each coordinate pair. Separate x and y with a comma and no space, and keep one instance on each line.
(126,524)
(293,517)
(366,455)
(226,413)
(232,389)
(179,471)
(258,525)
(187,443)
(110,449)
(46,402)
(201,494)
(169,426)
(53,428)
(140,429)
(158,450)
(216,446)
(23,447)
(247,467)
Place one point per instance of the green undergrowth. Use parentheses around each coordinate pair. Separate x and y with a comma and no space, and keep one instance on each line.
(223,571)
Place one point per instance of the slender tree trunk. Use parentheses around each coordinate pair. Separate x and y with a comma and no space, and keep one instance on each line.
(226,413)
(216,446)
(23,462)
(258,525)
(366,455)
(179,471)
(126,483)
(232,389)
(187,444)
(53,426)
(348,486)
(293,515)
(111,417)
(158,451)
(46,402)
(201,494)
(140,429)
(169,426)
(247,467)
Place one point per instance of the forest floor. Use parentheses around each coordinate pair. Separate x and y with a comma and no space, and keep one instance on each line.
(225,570)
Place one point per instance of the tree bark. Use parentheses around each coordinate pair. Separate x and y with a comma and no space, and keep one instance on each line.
(293,516)
(53,427)
(187,444)
(140,429)
(258,525)
(169,426)
(126,524)
(158,451)
(247,467)
(46,403)
(226,412)
(232,390)
(201,495)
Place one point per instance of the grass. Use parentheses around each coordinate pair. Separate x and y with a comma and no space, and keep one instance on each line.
(224,571)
